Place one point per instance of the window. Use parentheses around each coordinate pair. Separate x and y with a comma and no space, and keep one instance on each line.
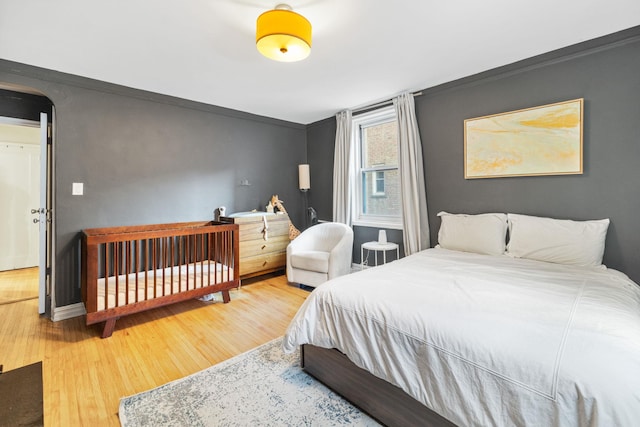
(376,175)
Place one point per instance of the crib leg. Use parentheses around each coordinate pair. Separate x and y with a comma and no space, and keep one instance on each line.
(109,326)
(225,296)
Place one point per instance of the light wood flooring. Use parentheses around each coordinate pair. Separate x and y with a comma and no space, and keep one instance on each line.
(18,285)
(85,376)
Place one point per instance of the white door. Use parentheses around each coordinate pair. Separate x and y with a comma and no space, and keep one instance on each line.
(43,214)
(19,192)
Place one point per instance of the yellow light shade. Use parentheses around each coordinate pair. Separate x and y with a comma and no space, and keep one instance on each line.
(283,35)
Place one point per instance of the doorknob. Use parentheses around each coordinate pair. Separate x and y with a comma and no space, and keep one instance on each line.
(35,211)
(36,220)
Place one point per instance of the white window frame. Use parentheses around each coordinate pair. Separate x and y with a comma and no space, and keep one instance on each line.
(368,119)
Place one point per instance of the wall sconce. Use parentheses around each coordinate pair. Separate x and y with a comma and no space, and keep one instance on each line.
(304,181)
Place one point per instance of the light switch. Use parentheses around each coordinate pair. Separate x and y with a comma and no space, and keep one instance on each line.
(77,189)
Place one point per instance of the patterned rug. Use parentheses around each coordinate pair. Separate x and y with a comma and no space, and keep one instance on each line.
(263,387)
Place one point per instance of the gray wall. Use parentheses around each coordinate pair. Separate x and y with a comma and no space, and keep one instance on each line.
(320,148)
(606,73)
(146,158)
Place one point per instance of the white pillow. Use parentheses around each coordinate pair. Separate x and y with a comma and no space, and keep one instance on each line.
(482,233)
(561,241)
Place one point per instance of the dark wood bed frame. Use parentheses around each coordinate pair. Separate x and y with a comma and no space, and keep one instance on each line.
(385,402)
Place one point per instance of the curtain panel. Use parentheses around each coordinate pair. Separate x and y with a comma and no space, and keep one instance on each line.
(412,186)
(342,188)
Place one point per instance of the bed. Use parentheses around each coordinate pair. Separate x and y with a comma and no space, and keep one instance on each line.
(130,269)
(476,333)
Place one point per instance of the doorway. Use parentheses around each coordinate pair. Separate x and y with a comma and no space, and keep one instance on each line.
(24,201)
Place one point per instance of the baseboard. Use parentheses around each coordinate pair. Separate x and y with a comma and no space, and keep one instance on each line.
(68,312)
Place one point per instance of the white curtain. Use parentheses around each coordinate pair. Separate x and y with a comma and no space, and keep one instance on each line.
(342,169)
(412,188)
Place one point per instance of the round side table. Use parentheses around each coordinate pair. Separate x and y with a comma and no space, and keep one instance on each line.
(378,247)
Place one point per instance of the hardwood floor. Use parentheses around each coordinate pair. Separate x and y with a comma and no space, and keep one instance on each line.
(18,285)
(85,376)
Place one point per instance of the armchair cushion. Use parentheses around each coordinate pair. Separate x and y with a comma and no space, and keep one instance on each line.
(311,260)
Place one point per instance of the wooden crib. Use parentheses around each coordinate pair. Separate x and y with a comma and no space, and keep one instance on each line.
(130,269)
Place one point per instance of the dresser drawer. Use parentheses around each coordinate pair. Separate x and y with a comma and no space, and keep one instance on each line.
(260,246)
(262,263)
(254,230)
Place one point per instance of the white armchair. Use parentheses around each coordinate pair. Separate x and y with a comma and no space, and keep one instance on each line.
(320,253)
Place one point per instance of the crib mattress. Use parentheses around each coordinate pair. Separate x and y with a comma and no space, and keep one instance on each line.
(148,285)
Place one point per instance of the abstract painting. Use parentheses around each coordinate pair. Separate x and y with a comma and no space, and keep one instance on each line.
(545,140)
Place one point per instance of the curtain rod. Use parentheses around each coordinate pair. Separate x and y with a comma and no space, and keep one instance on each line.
(380,104)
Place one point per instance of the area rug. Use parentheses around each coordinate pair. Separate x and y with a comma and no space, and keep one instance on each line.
(21,396)
(263,387)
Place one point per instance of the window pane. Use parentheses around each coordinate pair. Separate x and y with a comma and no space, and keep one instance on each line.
(378,185)
(385,203)
(380,145)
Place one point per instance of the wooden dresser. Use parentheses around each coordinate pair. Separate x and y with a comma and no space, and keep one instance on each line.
(257,255)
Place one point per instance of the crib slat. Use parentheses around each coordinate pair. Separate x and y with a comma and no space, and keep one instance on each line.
(116,270)
(161,266)
(196,258)
(165,248)
(202,261)
(147,267)
(187,258)
(154,268)
(220,245)
(172,244)
(226,251)
(133,265)
(213,255)
(127,270)
(106,275)
(187,261)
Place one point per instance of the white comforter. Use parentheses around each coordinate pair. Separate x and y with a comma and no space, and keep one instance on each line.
(485,340)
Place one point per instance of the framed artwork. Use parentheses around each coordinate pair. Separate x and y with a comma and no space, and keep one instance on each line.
(545,140)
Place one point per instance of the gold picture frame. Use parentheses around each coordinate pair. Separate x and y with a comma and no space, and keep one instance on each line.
(544,140)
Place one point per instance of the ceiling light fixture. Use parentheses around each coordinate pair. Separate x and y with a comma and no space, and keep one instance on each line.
(283,35)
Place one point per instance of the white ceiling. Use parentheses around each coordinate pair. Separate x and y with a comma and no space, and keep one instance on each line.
(363,51)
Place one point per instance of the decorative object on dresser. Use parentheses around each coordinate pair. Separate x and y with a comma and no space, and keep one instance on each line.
(278,204)
(130,269)
(263,241)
